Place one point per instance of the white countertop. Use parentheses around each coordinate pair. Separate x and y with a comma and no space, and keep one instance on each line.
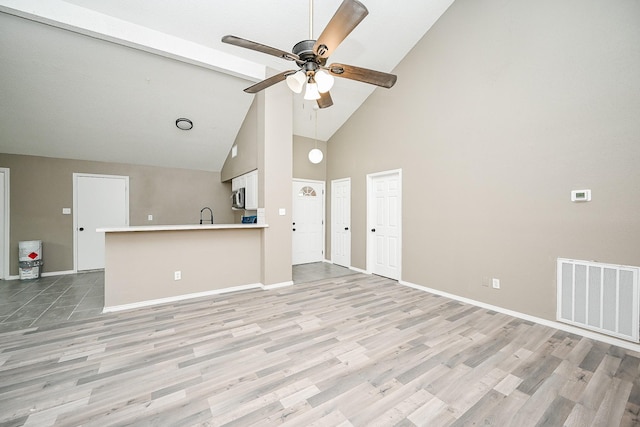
(179,227)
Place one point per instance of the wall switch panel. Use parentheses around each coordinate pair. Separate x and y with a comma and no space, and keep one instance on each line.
(149,217)
(495,283)
(66,211)
(177,275)
(581,195)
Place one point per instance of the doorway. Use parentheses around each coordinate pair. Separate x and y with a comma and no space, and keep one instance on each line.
(99,201)
(4,223)
(384,223)
(307,222)
(341,222)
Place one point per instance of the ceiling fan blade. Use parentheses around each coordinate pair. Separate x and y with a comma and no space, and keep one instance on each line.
(325,100)
(248,44)
(269,82)
(365,75)
(347,17)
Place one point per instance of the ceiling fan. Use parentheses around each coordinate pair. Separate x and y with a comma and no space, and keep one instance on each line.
(311,57)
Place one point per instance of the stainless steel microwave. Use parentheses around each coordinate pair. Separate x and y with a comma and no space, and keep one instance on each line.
(237,198)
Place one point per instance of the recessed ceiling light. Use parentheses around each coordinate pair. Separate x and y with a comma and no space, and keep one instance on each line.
(184,124)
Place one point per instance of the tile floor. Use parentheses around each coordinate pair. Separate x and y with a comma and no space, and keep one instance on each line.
(55,299)
(305,273)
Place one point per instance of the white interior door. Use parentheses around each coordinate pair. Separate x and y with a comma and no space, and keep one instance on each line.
(341,222)
(385,220)
(100,201)
(4,223)
(308,222)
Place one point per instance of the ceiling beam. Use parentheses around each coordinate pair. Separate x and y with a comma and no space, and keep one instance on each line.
(87,22)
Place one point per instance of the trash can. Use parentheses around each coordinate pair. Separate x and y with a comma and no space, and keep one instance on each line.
(30,259)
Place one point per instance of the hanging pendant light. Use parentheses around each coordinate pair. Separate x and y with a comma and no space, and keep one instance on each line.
(315,155)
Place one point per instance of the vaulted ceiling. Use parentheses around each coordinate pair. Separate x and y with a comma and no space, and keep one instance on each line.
(106,80)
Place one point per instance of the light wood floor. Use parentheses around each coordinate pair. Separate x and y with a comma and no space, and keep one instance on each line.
(355,350)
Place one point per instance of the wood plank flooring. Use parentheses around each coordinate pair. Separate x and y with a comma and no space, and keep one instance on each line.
(356,350)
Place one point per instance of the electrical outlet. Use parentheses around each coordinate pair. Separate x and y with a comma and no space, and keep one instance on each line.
(149,217)
(177,275)
(495,283)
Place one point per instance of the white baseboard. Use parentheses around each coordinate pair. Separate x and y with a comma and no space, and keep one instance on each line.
(177,298)
(47,274)
(56,273)
(550,323)
(277,285)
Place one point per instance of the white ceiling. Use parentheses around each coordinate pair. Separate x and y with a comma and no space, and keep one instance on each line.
(106,80)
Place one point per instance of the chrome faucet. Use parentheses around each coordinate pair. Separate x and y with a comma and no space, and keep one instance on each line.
(210,214)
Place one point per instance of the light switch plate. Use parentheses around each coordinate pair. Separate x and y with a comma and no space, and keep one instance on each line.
(66,211)
(282,211)
(149,217)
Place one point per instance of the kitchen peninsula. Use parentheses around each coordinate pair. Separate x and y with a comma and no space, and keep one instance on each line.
(146,265)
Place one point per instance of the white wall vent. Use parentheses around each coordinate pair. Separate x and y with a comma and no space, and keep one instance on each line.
(600,297)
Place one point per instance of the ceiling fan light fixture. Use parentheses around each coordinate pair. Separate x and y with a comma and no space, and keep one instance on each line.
(324,81)
(296,81)
(311,55)
(311,94)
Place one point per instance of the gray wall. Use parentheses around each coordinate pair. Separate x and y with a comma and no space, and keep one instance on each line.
(41,187)
(247,143)
(207,260)
(275,165)
(499,112)
(302,167)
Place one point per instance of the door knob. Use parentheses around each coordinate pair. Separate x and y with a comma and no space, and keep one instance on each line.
(81,228)
(373,230)
(346,229)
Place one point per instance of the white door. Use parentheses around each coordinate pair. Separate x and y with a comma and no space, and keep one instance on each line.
(384,222)
(4,223)
(100,201)
(308,222)
(341,222)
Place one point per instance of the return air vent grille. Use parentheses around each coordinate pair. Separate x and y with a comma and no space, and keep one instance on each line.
(600,297)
